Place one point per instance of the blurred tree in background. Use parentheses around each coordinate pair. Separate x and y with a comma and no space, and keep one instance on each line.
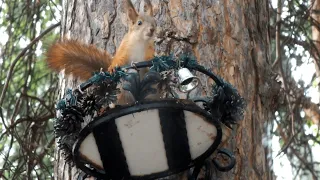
(295,27)
(29,90)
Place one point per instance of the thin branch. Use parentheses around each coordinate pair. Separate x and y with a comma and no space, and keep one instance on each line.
(307,165)
(278,32)
(41,101)
(21,54)
(7,156)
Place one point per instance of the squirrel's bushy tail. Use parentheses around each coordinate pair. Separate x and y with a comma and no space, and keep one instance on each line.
(77,59)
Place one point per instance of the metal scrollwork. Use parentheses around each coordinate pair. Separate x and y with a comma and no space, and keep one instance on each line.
(141,89)
(230,156)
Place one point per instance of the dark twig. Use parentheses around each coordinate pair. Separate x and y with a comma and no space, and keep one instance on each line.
(14,62)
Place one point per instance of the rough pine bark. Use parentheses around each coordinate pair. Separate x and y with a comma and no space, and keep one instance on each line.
(315,14)
(230,36)
(312,110)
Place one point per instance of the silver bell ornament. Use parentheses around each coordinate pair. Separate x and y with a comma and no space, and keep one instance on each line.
(187,81)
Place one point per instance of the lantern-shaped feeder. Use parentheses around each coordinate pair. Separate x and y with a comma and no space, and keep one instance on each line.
(149,138)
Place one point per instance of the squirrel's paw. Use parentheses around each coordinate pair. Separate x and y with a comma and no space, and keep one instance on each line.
(112,69)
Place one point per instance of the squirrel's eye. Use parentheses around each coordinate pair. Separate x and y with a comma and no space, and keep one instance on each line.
(139,22)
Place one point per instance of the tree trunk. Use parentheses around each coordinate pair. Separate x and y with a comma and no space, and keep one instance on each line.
(315,14)
(313,111)
(231,37)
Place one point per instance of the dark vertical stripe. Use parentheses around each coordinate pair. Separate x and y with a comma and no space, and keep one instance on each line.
(175,137)
(111,151)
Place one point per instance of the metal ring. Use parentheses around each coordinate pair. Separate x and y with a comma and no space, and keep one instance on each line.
(230,156)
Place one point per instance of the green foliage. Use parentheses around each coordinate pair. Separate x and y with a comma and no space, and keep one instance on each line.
(29,89)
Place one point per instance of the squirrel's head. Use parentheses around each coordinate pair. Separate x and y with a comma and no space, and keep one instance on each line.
(141,26)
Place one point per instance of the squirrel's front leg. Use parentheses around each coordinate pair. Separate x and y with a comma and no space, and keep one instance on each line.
(117,61)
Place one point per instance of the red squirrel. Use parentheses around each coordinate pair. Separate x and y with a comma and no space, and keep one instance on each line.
(82,60)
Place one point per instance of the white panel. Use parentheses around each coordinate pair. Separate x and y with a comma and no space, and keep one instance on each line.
(142,141)
(201,134)
(89,150)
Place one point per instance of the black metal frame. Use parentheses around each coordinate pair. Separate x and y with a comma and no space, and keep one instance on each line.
(212,114)
(143,106)
(149,64)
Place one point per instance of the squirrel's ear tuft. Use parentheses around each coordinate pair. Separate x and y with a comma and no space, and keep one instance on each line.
(131,12)
(147,8)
